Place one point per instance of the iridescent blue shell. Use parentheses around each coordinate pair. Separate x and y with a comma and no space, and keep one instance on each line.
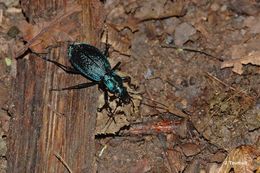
(89,60)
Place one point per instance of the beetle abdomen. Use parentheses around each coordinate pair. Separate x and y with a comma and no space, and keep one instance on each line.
(88,60)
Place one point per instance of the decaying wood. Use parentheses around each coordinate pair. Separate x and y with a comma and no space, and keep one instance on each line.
(45,122)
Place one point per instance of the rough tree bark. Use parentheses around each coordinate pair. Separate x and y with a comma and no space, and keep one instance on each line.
(46,122)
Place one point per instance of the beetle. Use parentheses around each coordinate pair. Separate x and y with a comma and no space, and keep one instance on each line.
(91,63)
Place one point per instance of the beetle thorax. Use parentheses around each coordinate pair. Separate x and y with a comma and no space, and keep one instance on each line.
(114,83)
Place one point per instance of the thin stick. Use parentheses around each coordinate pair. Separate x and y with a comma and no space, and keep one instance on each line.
(55,111)
(63,162)
(192,50)
(230,87)
(220,81)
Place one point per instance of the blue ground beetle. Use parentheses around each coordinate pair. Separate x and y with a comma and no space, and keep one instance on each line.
(91,63)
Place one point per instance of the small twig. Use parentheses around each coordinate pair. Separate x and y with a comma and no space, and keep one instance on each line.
(156,102)
(63,162)
(156,107)
(102,151)
(166,108)
(220,81)
(55,111)
(192,50)
(226,85)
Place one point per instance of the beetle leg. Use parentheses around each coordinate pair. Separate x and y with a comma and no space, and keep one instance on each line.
(67,69)
(116,66)
(127,79)
(106,105)
(106,53)
(111,116)
(112,98)
(47,52)
(79,86)
(108,108)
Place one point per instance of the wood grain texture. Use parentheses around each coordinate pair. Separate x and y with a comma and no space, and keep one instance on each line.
(47,122)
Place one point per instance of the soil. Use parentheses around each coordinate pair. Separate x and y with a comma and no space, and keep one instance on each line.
(196,68)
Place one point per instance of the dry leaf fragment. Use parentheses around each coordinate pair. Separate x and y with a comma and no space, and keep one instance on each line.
(183,32)
(244,159)
(237,64)
(157,9)
(119,42)
(253,24)
(44,34)
(119,19)
(175,161)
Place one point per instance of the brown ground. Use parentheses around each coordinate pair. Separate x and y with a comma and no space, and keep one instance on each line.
(196,65)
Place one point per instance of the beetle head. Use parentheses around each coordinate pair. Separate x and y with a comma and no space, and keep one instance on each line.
(114,84)
(124,97)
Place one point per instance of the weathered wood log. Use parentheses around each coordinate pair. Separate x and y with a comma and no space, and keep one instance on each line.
(45,122)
